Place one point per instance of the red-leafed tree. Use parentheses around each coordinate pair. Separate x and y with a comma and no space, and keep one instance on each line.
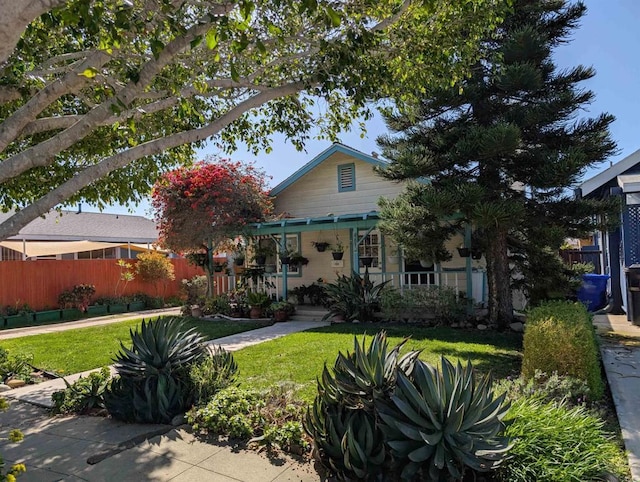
(199,208)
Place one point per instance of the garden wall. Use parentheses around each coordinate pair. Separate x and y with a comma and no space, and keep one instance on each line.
(38,283)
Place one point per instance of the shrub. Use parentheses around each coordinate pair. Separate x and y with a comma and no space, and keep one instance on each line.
(560,337)
(549,388)
(441,302)
(153,384)
(270,418)
(557,443)
(354,297)
(15,366)
(212,374)
(216,305)
(155,268)
(84,395)
(78,297)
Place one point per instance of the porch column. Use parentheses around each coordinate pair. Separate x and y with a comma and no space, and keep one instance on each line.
(285,267)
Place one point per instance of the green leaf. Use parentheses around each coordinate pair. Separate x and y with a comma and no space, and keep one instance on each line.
(212,39)
(89,73)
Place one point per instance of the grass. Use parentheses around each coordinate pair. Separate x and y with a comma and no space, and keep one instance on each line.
(74,351)
(299,357)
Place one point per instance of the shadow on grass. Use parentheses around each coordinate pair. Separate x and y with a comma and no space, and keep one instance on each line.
(499,363)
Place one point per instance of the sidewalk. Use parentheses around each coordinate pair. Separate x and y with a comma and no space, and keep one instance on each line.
(77,448)
(620,348)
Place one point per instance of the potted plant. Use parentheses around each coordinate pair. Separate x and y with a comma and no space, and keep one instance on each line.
(260,253)
(258,301)
(463,252)
(337,250)
(476,253)
(282,310)
(366,261)
(240,254)
(321,246)
(296,259)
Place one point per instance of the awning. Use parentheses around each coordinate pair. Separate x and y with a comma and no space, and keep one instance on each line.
(50,248)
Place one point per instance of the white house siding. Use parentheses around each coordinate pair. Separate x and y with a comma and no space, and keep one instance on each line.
(316,193)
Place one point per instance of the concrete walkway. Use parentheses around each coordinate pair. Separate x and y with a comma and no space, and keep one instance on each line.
(76,448)
(620,348)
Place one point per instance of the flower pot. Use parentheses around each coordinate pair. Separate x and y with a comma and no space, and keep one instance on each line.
(196,312)
(366,261)
(12,321)
(48,316)
(280,315)
(238,261)
(255,313)
(97,310)
(476,254)
(136,306)
(321,247)
(71,314)
(337,256)
(117,308)
(464,252)
(285,259)
(426,263)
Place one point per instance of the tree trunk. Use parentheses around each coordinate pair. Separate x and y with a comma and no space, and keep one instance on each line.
(499,279)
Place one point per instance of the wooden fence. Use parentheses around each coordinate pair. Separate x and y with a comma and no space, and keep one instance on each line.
(38,283)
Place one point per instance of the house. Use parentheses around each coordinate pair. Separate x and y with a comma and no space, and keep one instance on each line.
(618,248)
(74,235)
(334,199)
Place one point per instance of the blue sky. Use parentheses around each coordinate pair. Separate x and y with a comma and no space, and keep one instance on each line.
(608,39)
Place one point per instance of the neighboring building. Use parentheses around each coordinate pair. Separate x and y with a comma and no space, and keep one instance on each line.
(334,198)
(79,235)
(620,248)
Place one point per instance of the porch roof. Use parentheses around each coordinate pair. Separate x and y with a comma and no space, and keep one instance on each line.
(320,223)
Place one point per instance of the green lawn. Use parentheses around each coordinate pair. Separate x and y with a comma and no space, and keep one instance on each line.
(82,349)
(299,357)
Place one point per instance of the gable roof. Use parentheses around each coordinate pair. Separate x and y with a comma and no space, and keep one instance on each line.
(309,166)
(609,174)
(71,225)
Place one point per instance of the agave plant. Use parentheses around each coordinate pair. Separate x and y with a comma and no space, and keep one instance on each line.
(354,297)
(153,383)
(342,420)
(440,422)
(215,372)
(347,441)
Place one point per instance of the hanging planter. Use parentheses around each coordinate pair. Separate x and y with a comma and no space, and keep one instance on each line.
(285,259)
(476,254)
(366,261)
(321,246)
(337,255)
(426,263)
(239,261)
(464,252)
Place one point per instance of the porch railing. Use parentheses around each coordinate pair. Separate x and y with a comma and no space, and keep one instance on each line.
(401,280)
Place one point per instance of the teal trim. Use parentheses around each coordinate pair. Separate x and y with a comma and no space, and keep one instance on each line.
(335,148)
(324,223)
(343,172)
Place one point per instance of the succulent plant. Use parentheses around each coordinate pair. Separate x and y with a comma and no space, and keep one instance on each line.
(347,441)
(213,373)
(342,420)
(354,297)
(153,383)
(440,422)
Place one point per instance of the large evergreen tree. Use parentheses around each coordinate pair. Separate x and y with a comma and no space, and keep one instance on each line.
(500,151)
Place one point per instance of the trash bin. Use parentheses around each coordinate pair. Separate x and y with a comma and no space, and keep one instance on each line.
(632,273)
(593,292)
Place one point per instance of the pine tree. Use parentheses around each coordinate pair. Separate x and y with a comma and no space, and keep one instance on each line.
(499,152)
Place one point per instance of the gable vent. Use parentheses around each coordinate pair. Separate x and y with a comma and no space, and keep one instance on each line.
(346,177)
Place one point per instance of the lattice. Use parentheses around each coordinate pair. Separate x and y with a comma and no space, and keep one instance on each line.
(632,234)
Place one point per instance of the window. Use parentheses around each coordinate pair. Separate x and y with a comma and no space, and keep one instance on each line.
(273,247)
(346,177)
(369,247)
(7,254)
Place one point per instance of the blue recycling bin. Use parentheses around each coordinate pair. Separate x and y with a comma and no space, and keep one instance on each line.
(593,292)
